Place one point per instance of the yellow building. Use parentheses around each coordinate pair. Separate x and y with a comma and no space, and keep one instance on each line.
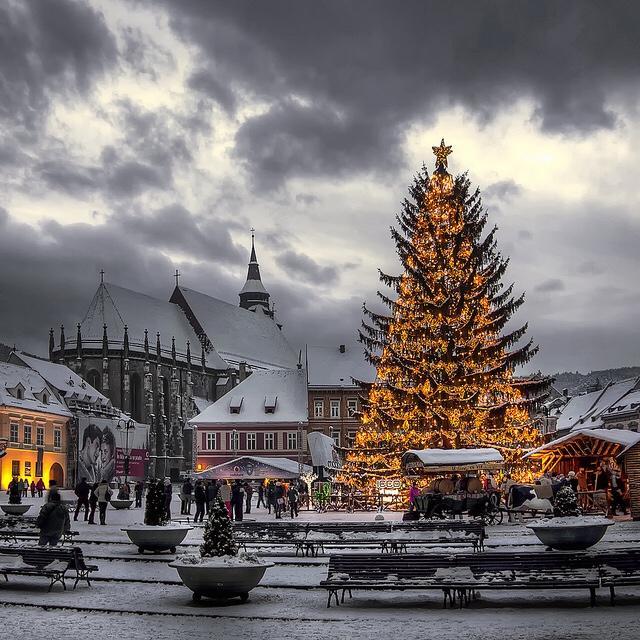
(34,427)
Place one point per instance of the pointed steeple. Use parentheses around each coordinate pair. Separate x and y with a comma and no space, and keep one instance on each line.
(51,344)
(126,341)
(158,348)
(78,343)
(146,345)
(253,293)
(105,342)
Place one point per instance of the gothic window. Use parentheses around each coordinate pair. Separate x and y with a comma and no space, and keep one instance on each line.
(135,389)
(94,379)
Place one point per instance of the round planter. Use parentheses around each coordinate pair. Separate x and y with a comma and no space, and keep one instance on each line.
(220,582)
(121,504)
(156,539)
(15,509)
(568,534)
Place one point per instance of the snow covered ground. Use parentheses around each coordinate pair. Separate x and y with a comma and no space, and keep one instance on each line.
(140,597)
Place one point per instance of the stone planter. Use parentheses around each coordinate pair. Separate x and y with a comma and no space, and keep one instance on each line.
(219,581)
(121,504)
(15,509)
(156,539)
(570,533)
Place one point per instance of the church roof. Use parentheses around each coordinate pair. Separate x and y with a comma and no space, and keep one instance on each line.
(250,402)
(239,335)
(116,306)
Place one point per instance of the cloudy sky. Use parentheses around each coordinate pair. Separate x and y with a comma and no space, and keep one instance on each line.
(143,136)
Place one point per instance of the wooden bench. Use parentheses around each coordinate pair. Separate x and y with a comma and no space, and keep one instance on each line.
(459,576)
(49,562)
(619,570)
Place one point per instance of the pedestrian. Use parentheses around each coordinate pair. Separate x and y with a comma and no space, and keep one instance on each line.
(261,495)
(574,483)
(103,493)
(33,489)
(200,495)
(414,492)
(40,487)
(82,492)
(617,491)
(139,492)
(186,492)
(25,488)
(237,500)
(225,496)
(212,493)
(293,497)
(53,521)
(53,489)
(271,495)
(279,499)
(15,494)
(168,495)
(248,492)
(93,502)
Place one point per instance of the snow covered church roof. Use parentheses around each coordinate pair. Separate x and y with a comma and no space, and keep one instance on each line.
(117,306)
(271,396)
(239,335)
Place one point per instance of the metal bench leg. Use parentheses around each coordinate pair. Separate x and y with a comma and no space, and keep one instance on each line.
(59,577)
(612,595)
(592,596)
(445,595)
(333,593)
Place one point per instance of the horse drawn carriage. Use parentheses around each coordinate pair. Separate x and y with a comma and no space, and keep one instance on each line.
(454,482)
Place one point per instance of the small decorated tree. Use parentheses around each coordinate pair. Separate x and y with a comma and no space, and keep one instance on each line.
(218,534)
(565,503)
(155,513)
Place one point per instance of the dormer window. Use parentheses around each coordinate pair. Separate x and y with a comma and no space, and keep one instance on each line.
(19,393)
(270,402)
(235,404)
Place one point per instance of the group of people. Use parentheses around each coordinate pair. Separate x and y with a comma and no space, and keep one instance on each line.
(237,496)
(19,488)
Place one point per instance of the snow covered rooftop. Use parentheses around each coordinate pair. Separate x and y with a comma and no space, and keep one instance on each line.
(585,411)
(117,306)
(333,367)
(201,403)
(617,436)
(239,335)
(248,399)
(67,382)
(24,388)
(453,457)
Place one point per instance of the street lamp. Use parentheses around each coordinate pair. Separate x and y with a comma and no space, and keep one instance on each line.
(234,440)
(165,440)
(152,441)
(126,426)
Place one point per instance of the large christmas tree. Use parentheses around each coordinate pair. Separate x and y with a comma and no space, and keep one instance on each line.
(445,368)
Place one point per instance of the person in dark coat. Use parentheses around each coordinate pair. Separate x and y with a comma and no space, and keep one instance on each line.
(168,495)
(237,500)
(278,495)
(248,493)
(82,492)
(93,503)
(271,499)
(15,493)
(40,487)
(200,496)
(139,491)
(293,497)
(261,500)
(186,493)
(33,489)
(212,493)
(53,521)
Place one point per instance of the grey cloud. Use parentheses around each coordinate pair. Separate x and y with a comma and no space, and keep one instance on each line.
(299,265)
(501,190)
(130,178)
(551,285)
(307,198)
(590,267)
(525,234)
(144,55)
(205,82)
(363,76)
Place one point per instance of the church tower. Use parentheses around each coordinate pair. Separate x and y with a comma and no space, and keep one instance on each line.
(253,294)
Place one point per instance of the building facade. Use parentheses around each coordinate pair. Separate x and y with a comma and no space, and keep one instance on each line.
(34,428)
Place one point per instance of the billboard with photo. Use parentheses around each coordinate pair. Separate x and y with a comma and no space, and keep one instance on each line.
(102,450)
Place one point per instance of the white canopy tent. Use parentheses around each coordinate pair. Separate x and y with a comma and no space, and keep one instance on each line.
(254,468)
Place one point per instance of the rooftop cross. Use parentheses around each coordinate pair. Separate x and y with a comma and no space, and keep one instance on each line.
(101,276)
(177,276)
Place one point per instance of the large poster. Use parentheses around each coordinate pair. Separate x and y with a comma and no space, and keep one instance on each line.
(102,449)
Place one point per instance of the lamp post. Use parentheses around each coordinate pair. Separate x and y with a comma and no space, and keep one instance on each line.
(165,439)
(300,451)
(153,440)
(126,425)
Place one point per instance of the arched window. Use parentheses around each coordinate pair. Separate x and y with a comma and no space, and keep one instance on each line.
(94,379)
(135,389)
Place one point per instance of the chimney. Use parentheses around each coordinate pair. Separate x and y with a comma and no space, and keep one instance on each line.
(242,373)
(565,393)
(343,348)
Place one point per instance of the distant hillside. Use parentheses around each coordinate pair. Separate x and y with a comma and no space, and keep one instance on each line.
(578,383)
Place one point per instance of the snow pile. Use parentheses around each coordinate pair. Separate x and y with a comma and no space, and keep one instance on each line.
(241,560)
(570,521)
(454,574)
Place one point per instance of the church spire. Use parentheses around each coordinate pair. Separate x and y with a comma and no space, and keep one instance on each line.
(253,294)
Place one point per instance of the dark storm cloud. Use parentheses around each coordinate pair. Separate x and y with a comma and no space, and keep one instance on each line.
(176,229)
(300,265)
(48,49)
(343,82)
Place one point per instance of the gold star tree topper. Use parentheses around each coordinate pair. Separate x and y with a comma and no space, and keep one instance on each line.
(441,154)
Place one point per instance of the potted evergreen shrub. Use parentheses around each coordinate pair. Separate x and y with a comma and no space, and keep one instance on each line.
(568,529)
(219,571)
(157,533)
(15,506)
